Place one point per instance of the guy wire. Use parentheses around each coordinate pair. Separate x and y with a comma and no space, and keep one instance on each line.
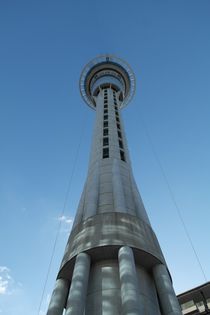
(172,195)
(62,213)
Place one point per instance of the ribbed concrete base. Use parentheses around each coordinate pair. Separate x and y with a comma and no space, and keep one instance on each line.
(115,287)
(104,291)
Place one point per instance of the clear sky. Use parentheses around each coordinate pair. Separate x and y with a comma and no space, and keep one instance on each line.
(44,123)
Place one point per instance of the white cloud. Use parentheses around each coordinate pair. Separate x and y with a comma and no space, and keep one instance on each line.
(4,269)
(3,285)
(65,219)
(8,285)
(6,281)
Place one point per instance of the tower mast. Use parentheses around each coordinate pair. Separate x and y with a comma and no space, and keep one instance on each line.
(113,264)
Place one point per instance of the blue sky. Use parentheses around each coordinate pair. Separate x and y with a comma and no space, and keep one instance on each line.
(44,123)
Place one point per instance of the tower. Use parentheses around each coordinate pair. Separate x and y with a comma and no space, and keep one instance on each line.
(113,264)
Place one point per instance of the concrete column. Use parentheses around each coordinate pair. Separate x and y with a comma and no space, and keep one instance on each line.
(59,297)
(168,300)
(78,290)
(128,281)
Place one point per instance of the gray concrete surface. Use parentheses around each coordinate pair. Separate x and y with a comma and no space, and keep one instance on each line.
(58,298)
(111,227)
(77,295)
(129,284)
(168,300)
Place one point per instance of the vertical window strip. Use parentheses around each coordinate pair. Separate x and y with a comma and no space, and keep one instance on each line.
(105,150)
(122,155)
(105,153)
(120,140)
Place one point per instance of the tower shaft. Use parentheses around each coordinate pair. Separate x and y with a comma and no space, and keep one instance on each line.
(113,263)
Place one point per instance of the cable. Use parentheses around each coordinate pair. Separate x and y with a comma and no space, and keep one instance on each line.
(174,200)
(62,213)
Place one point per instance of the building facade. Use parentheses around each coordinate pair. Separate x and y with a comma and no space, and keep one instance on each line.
(113,264)
(196,301)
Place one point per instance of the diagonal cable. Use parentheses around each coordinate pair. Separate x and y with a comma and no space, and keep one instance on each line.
(62,213)
(171,193)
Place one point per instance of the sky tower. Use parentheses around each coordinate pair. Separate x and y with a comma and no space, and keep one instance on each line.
(113,264)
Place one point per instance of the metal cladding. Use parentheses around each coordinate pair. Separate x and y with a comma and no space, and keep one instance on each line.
(113,264)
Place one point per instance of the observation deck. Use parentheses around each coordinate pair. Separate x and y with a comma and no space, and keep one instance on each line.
(105,71)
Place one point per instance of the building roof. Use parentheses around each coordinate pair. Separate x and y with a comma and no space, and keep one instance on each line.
(196,300)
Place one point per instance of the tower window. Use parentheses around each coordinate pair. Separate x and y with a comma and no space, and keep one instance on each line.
(105,106)
(116,108)
(105,141)
(106,132)
(120,144)
(105,111)
(105,124)
(105,153)
(122,155)
(118,126)
(116,113)
(105,117)
(119,134)
(117,119)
